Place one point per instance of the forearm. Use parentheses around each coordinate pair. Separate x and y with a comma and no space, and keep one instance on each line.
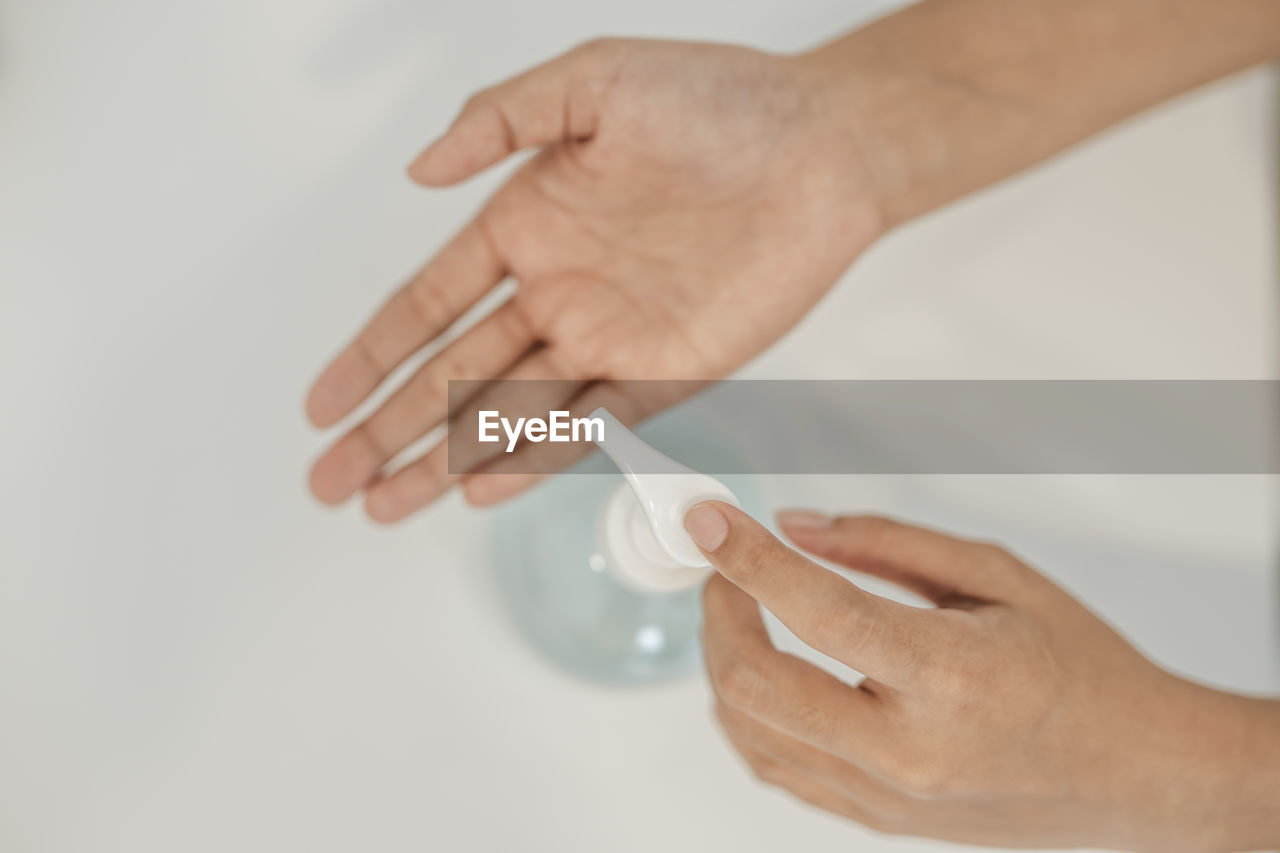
(948,96)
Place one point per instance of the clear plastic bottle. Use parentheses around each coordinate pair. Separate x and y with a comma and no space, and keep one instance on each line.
(556,583)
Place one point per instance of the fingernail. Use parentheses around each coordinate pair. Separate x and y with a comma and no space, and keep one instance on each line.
(803,518)
(707,526)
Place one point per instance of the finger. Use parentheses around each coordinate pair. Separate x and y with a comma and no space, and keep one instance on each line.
(942,568)
(421,404)
(745,731)
(558,100)
(416,485)
(748,673)
(808,789)
(880,638)
(424,480)
(463,271)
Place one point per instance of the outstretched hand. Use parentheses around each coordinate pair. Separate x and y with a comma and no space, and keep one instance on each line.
(690,203)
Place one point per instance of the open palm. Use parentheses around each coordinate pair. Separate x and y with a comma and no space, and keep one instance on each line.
(690,203)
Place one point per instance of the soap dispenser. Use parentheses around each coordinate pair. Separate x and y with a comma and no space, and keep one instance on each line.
(641,525)
(597,570)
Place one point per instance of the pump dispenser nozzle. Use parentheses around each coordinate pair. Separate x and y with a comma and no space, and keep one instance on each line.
(663,491)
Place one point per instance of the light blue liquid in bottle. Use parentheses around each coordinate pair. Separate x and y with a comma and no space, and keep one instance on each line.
(556,585)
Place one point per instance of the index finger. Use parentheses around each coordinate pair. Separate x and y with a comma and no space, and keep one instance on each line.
(886,641)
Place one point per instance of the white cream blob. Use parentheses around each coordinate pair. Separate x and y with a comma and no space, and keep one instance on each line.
(641,528)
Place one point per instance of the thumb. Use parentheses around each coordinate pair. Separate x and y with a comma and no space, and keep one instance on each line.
(880,638)
(558,100)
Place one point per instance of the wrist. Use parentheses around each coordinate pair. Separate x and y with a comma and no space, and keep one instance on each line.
(948,96)
(1205,773)
(924,135)
(1246,773)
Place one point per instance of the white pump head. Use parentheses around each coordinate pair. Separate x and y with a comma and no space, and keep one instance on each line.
(657,555)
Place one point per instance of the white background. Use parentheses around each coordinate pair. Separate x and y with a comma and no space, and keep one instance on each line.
(200,200)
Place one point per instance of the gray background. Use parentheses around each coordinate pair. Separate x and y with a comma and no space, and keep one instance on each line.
(199,200)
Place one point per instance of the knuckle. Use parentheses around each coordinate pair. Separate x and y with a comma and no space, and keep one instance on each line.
(962,663)
(431,307)
(922,778)
(738,681)
(1002,563)
(477,100)
(368,350)
(514,324)
(950,667)
(725,717)
(878,823)
(817,723)
(372,433)
(997,557)
(767,770)
(892,814)
(847,628)
(596,47)
(947,681)
(992,553)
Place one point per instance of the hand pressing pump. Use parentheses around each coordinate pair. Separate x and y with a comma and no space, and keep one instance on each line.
(641,526)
